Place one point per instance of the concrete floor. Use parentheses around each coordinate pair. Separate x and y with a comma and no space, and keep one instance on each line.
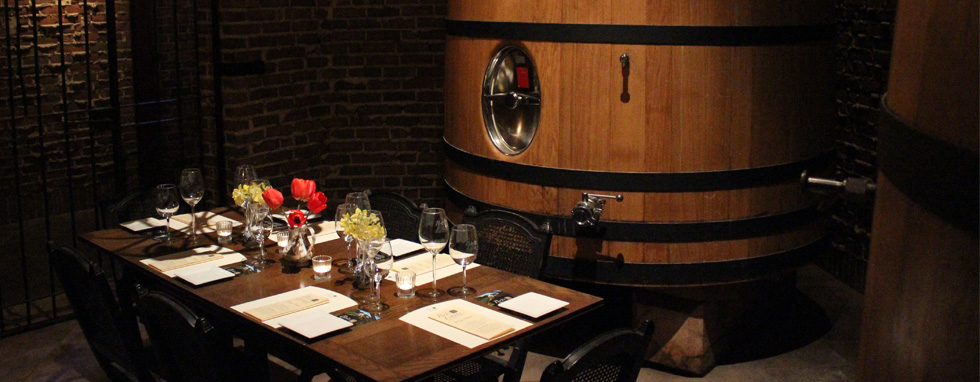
(59,352)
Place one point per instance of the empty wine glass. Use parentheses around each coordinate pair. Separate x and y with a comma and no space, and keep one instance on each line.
(167,202)
(383,263)
(433,234)
(192,190)
(359,199)
(462,248)
(244,174)
(261,230)
(345,266)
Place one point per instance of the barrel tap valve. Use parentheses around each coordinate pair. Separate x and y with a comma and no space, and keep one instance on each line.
(858,187)
(587,212)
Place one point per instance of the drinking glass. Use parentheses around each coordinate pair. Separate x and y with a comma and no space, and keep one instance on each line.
(261,230)
(244,174)
(433,234)
(167,202)
(192,190)
(359,199)
(462,248)
(382,266)
(344,266)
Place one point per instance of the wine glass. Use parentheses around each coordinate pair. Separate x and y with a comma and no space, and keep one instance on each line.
(167,202)
(462,248)
(433,234)
(344,266)
(359,199)
(261,230)
(192,190)
(244,174)
(383,262)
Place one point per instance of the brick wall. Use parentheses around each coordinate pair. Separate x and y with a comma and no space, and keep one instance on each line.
(351,95)
(863,53)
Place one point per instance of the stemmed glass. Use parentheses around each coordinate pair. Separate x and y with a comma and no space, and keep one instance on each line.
(359,199)
(383,263)
(167,202)
(261,231)
(244,174)
(344,266)
(462,248)
(433,234)
(192,190)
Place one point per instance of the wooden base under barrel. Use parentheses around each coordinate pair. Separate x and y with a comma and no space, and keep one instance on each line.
(698,327)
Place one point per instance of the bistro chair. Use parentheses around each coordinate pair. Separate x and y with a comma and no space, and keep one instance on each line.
(513,243)
(509,241)
(113,337)
(401,215)
(614,356)
(189,348)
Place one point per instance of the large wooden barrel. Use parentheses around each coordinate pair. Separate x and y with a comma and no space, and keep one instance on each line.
(705,133)
(920,320)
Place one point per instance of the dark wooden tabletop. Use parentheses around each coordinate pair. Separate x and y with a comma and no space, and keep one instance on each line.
(384,350)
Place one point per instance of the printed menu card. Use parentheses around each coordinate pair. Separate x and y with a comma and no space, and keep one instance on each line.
(471,322)
(206,256)
(284,307)
(439,319)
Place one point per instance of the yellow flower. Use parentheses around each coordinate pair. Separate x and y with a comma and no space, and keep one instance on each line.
(252,193)
(363,226)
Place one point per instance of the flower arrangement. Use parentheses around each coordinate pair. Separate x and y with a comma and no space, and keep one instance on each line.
(363,226)
(303,190)
(249,193)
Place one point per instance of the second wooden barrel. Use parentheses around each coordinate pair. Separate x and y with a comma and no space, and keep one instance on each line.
(702,114)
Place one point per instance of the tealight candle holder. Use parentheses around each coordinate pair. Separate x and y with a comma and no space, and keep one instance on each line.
(224,231)
(321,267)
(405,280)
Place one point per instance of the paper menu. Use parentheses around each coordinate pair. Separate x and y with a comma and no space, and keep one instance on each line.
(402,247)
(335,302)
(422,266)
(422,263)
(206,220)
(471,322)
(420,318)
(180,262)
(143,224)
(228,257)
(283,307)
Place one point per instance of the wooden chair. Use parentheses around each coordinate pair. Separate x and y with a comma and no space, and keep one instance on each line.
(509,241)
(401,215)
(112,335)
(513,243)
(615,356)
(189,348)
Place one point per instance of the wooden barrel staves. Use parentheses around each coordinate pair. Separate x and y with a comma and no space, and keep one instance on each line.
(921,312)
(701,114)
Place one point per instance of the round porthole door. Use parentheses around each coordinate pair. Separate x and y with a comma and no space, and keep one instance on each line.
(511,100)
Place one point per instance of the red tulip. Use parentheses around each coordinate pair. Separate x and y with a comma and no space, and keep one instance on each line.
(296,218)
(302,189)
(272,197)
(318,201)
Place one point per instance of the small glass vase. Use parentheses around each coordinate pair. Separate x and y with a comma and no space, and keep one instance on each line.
(364,267)
(299,249)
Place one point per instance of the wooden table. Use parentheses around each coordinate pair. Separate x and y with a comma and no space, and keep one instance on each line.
(384,350)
